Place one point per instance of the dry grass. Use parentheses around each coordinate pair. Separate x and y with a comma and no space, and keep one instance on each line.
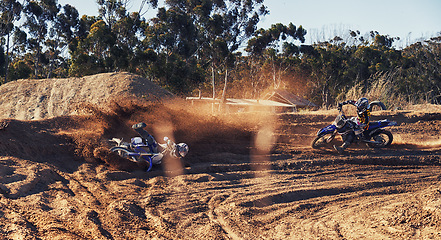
(383,87)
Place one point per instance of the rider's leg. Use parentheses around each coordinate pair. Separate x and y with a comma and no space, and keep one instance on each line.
(366,135)
(348,138)
(146,135)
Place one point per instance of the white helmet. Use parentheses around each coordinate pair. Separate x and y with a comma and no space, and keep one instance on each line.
(137,141)
(181,149)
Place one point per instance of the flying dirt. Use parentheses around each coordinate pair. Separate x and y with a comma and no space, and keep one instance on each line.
(247,175)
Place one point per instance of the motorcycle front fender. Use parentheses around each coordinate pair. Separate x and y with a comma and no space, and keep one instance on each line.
(326,130)
(392,123)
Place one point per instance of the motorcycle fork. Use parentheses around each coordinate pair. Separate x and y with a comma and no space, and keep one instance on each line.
(330,138)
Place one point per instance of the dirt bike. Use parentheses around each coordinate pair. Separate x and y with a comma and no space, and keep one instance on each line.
(137,150)
(375,136)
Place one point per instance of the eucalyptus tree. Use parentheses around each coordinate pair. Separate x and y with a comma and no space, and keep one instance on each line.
(93,50)
(10,12)
(420,71)
(121,32)
(62,34)
(39,19)
(110,41)
(173,35)
(206,32)
(272,48)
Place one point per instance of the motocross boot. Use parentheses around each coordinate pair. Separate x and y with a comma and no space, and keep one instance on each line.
(341,149)
(139,125)
(365,135)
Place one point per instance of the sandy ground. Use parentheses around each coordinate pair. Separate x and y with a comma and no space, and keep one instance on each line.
(54,184)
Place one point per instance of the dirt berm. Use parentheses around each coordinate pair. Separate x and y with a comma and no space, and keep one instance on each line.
(32,99)
(247,175)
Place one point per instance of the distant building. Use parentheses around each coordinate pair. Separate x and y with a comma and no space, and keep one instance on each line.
(277,101)
(286,97)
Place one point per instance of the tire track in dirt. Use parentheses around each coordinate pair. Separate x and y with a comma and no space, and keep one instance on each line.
(310,194)
(226,192)
(254,203)
(213,204)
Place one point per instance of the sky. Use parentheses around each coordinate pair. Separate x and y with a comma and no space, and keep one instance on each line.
(410,20)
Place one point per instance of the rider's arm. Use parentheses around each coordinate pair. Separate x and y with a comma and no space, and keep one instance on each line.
(340,105)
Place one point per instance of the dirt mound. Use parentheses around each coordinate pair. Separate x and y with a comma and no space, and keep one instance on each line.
(33,99)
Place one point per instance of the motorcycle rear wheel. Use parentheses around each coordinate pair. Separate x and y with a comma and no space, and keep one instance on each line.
(382,138)
(124,153)
(322,141)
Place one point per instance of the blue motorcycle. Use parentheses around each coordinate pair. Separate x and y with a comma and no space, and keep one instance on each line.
(375,136)
(138,150)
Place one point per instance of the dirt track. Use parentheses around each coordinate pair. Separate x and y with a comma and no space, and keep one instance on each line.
(229,189)
(247,176)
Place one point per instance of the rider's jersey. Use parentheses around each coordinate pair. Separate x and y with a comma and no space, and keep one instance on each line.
(364,116)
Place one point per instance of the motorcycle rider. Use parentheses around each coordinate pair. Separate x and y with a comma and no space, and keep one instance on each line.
(181,148)
(363,113)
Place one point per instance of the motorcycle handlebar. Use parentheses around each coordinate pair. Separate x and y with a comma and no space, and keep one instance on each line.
(169,143)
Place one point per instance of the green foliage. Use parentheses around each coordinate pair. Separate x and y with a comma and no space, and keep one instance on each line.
(270,37)
(20,70)
(171,70)
(10,12)
(189,45)
(39,17)
(204,34)
(414,71)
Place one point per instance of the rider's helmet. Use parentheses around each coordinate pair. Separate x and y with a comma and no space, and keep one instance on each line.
(362,104)
(137,141)
(181,149)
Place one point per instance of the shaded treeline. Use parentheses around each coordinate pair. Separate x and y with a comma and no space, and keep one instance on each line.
(211,46)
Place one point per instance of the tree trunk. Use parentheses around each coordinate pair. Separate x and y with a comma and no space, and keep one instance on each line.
(274,74)
(212,80)
(325,93)
(224,94)
(7,58)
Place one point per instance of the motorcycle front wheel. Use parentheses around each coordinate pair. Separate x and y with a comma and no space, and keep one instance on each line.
(381,139)
(124,152)
(322,141)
